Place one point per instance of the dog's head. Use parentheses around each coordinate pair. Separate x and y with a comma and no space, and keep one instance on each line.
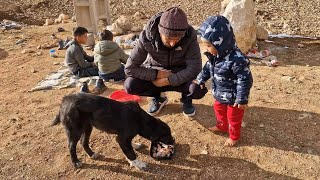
(162,146)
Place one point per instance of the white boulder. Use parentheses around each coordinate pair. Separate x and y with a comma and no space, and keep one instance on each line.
(241,15)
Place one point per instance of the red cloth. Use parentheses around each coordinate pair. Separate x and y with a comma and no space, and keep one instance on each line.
(229,119)
(122,96)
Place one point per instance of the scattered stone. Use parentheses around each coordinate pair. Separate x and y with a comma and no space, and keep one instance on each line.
(48,22)
(301,78)
(204,152)
(304,115)
(47,45)
(129,37)
(63,17)
(136,29)
(115,31)
(39,53)
(261,125)
(126,46)
(135,3)
(262,34)
(27,51)
(60,29)
(300,45)
(11,159)
(57,21)
(139,15)
(243,124)
(287,78)
(309,151)
(296,147)
(242,17)
(33,70)
(56,63)
(73,18)
(20,41)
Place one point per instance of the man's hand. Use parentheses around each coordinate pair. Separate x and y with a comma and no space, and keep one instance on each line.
(161,82)
(240,106)
(163,74)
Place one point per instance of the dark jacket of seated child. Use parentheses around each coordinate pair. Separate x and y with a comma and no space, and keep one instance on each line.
(79,63)
(108,56)
(229,69)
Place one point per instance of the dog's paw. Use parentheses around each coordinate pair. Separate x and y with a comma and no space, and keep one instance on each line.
(95,156)
(138,164)
(77,165)
(137,146)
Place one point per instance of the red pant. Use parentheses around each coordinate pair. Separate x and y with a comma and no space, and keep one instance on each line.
(229,118)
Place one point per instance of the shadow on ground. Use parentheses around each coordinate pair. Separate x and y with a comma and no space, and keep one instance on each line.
(282,129)
(193,167)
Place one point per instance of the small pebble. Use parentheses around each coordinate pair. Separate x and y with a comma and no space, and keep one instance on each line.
(261,125)
(204,152)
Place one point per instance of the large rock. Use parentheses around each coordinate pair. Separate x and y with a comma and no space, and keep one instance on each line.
(242,17)
(123,23)
(262,34)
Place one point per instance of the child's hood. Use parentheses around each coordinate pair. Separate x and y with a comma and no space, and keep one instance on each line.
(218,31)
(105,48)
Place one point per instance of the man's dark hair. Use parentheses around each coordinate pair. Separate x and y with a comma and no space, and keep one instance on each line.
(106,35)
(79,31)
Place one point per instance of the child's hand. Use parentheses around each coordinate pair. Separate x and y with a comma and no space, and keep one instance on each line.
(240,106)
(196,82)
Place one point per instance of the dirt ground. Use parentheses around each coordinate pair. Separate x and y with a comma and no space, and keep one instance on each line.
(280,137)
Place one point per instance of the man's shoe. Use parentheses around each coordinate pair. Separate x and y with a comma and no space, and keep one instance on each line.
(100,87)
(84,88)
(188,109)
(156,105)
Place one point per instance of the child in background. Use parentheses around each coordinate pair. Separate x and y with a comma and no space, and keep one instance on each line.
(79,63)
(230,73)
(108,56)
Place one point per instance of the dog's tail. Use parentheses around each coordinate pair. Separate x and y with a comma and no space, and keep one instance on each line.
(56,120)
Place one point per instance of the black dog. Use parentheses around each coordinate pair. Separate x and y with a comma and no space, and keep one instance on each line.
(80,112)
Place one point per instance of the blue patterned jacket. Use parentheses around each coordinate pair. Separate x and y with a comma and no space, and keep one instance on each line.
(229,69)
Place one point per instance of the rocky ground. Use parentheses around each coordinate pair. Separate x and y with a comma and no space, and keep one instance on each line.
(280,138)
(277,16)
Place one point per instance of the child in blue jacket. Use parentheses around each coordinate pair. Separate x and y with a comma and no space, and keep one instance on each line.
(231,76)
